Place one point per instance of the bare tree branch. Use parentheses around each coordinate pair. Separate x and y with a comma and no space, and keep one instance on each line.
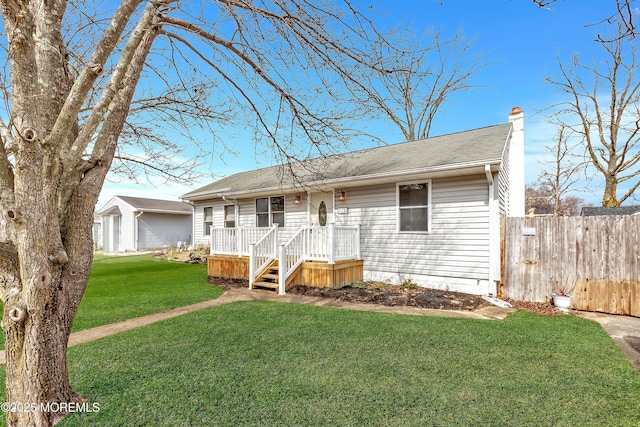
(603,110)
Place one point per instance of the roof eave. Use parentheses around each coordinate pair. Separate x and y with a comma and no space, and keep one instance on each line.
(360,180)
(162,211)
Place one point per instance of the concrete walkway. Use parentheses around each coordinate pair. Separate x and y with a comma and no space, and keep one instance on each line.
(624,330)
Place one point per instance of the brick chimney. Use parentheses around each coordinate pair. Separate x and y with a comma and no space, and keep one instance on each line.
(516,163)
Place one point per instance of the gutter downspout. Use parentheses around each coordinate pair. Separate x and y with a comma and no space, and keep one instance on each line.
(492,287)
(135,230)
(236,204)
(193,221)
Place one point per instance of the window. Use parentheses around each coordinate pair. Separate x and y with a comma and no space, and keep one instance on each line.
(230,216)
(414,207)
(207,221)
(270,210)
(277,210)
(262,212)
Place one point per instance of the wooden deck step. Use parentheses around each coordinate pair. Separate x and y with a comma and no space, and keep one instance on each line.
(268,285)
(270,276)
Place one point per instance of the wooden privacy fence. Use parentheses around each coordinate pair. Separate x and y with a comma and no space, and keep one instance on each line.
(600,255)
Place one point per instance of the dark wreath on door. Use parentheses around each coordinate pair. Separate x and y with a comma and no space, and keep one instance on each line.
(322,214)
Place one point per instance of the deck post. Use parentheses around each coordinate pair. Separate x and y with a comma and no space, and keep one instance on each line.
(358,255)
(332,243)
(239,240)
(305,241)
(282,270)
(275,241)
(252,267)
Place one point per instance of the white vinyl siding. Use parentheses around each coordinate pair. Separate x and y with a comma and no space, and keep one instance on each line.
(199,237)
(454,255)
(124,228)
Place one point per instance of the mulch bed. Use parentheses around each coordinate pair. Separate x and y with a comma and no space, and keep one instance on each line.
(377,293)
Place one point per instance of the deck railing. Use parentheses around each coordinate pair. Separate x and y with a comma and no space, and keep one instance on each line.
(262,253)
(224,241)
(331,244)
(235,241)
(310,243)
(290,256)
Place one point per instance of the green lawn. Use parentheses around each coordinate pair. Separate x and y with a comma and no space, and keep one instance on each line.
(265,363)
(124,287)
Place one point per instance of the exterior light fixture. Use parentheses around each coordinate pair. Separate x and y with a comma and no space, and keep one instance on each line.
(297,199)
(342,195)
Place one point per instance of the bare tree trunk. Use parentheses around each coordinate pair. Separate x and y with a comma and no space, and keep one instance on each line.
(37,368)
(41,302)
(47,255)
(609,197)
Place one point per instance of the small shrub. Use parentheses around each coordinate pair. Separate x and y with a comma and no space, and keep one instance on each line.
(199,253)
(408,284)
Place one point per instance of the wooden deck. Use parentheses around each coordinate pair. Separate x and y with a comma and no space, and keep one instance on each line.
(228,266)
(311,273)
(320,274)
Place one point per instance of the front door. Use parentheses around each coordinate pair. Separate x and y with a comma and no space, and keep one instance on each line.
(321,208)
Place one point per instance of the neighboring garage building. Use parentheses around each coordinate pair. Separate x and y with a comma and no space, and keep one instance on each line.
(136,223)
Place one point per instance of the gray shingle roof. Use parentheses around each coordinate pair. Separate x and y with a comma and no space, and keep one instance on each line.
(113,210)
(484,145)
(157,205)
(599,210)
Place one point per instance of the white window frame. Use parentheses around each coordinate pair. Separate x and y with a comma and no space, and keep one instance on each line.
(427,206)
(206,225)
(270,211)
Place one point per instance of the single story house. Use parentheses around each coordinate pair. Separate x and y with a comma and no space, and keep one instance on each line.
(427,211)
(136,223)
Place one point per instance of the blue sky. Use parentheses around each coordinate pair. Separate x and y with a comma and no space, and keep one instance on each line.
(522,42)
